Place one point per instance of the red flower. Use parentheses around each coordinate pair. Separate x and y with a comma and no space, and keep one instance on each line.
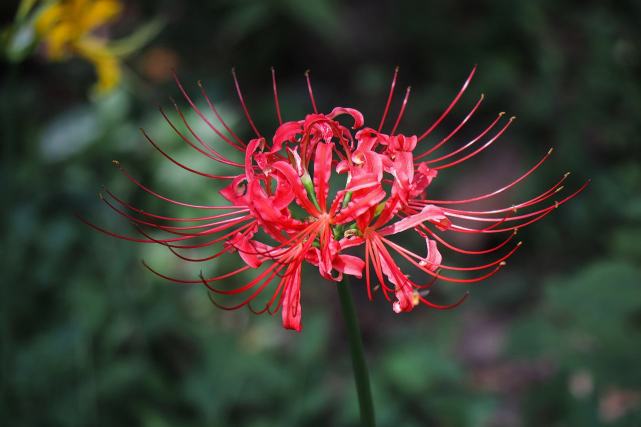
(281,215)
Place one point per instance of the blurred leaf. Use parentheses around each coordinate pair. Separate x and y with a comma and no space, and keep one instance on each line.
(69,133)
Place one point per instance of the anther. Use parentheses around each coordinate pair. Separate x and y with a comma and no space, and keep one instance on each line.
(550,150)
(560,188)
(520,243)
(556,204)
(351,232)
(502,264)
(415,298)
(566,174)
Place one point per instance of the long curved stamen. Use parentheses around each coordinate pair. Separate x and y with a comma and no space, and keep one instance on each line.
(212,242)
(310,91)
(242,103)
(212,153)
(214,110)
(194,282)
(177,163)
(496,192)
(454,268)
(266,282)
(276,103)
(308,233)
(245,287)
(449,108)
(467,251)
(455,131)
(478,150)
(200,114)
(171,248)
(402,111)
(389,100)
(520,217)
(556,188)
(175,239)
(493,228)
(440,276)
(470,143)
(168,228)
(169,218)
(444,307)
(379,270)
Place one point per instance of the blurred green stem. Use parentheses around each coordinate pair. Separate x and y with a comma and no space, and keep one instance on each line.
(361,375)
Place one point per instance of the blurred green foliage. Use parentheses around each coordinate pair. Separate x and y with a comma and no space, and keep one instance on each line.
(88,337)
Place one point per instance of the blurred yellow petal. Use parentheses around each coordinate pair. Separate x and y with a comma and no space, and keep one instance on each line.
(58,41)
(99,13)
(104,61)
(48,18)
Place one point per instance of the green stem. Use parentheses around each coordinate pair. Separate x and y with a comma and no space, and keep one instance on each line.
(361,376)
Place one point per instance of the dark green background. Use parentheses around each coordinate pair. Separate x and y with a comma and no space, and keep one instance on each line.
(90,338)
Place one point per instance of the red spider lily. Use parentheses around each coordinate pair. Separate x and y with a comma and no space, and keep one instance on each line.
(280,214)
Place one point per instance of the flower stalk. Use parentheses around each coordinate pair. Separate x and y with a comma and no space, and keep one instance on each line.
(359,365)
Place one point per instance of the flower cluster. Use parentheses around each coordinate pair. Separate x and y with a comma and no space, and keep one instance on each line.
(320,186)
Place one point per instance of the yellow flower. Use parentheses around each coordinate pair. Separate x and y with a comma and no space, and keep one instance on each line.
(67,28)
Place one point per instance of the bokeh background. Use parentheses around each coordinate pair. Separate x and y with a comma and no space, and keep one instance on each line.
(88,337)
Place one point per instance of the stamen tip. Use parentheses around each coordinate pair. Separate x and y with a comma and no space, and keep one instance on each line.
(560,188)
(502,264)
(556,204)
(502,113)
(512,118)
(520,243)
(566,174)
(397,68)
(550,151)
(307,72)
(116,163)
(482,96)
